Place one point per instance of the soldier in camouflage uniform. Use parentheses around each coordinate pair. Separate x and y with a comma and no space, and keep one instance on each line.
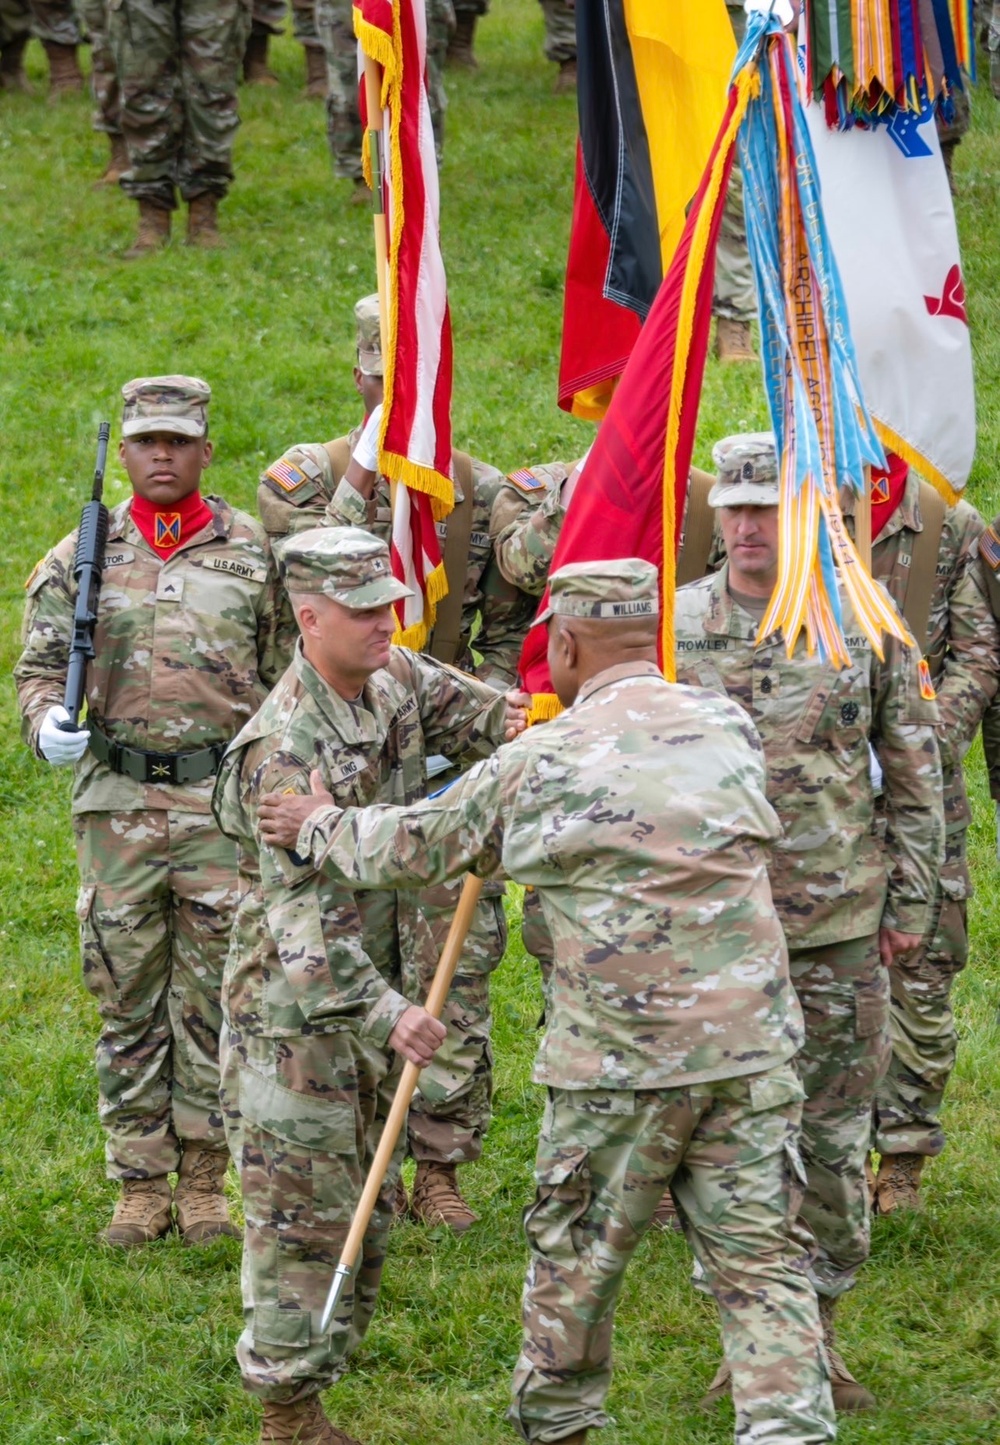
(268,20)
(989,551)
(335,28)
(315,483)
(668,1050)
(993,45)
(560,41)
(55,24)
(190,635)
(178,67)
(848,906)
(104,87)
(734,301)
(962,646)
(460,44)
(313,995)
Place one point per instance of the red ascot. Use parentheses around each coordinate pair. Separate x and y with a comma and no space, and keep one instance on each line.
(887,490)
(165,531)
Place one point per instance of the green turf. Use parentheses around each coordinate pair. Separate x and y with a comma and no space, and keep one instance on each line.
(139,1351)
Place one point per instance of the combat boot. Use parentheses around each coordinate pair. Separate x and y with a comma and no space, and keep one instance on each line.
(303,1423)
(566,79)
(437,1199)
(733,341)
(203,222)
(117,164)
(153,233)
(12,76)
(65,75)
(200,1196)
(316,79)
(898,1183)
(665,1214)
(256,70)
(400,1202)
(361,194)
(459,52)
(142,1213)
(849,1395)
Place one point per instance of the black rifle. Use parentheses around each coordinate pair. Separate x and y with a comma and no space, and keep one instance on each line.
(88,565)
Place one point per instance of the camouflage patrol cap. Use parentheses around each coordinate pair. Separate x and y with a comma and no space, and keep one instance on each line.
(366,314)
(347,564)
(747,471)
(174,404)
(621,587)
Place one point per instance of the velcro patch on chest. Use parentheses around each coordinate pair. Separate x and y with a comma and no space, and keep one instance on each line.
(525,480)
(246,571)
(989,548)
(119,559)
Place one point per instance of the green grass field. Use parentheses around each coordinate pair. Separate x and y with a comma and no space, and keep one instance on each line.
(101,1349)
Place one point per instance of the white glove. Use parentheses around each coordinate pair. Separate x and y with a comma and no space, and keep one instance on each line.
(366,451)
(57,747)
(875,770)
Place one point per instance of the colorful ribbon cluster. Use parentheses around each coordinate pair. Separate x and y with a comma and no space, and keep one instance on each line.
(824,434)
(868,57)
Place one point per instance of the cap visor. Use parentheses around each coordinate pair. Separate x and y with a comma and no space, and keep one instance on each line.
(372,594)
(370,363)
(743,494)
(178,426)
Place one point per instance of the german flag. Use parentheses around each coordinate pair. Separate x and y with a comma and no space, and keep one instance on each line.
(651,85)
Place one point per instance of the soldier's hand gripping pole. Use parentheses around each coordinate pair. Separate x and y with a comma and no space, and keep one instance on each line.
(88,564)
(436,996)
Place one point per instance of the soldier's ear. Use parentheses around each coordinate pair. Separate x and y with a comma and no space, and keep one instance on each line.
(208,451)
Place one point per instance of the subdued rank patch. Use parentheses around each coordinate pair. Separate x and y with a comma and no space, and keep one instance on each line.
(288,476)
(167,529)
(526,481)
(926,686)
(989,548)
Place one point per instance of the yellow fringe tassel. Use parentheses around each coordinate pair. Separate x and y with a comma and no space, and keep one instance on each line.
(544,707)
(893,442)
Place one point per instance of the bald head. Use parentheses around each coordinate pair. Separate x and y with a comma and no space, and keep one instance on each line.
(581,647)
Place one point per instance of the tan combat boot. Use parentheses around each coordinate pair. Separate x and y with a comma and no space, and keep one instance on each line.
(316,79)
(303,1423)
(849,1395)
(12,76)
(200,1197)
(65,75)
(400,1202)
(437,1200)
(117,164)
(733,341)
(153,233)
(566,79)
(898,1183)
(142,1213)
(459,52)
(203,222)
(256,70)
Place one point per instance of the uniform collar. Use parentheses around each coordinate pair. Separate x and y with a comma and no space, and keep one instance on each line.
(122,528)
(362,720)
(615,674)
(725,617)
(907,514)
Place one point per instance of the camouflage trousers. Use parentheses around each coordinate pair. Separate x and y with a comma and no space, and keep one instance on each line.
(335,28)
(53,20)
(924,1039)
(844,992)
(734,297)
(560,30)
(450,1112)
(156,903)
(729,1151)
(103,76)
(993,44)
(178,65)
(269,19)
(311,1110)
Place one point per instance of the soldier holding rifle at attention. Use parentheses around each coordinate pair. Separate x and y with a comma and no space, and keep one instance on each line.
(315,1012)
(187,639)
(640,816)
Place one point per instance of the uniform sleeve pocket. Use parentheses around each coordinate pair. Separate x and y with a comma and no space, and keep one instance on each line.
(562,1196)
(97,975)
(326,1125)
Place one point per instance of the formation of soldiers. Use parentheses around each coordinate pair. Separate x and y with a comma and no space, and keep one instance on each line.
(747,892)
(165,82)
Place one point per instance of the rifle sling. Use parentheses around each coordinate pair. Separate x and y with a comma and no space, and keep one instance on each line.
(923,565)
(699,527)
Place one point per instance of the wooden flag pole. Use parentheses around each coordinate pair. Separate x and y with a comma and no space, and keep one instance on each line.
(863,522)
(436,996)
(373,95)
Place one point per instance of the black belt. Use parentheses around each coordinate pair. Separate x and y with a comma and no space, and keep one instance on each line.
(147,767)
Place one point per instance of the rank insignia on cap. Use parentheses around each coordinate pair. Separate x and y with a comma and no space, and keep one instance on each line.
(926,686)
(525,480)
(288,476)
(989,548)
(168,529)
(880,489)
